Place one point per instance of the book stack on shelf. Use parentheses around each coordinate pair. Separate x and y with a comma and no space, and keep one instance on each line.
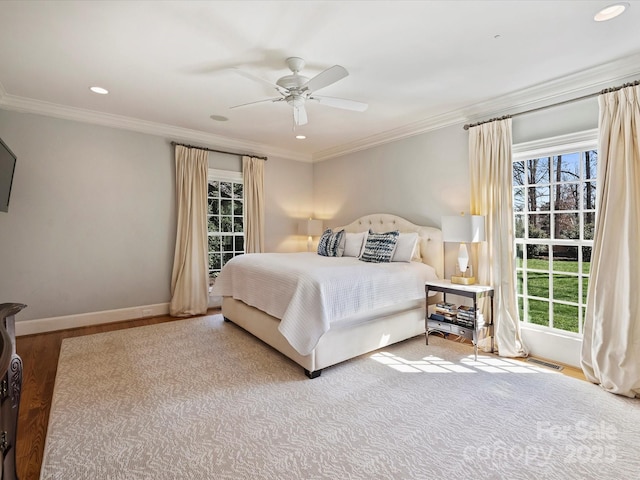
(445,312)
(465,316)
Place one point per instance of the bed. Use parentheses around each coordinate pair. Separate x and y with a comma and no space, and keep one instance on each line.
(371,324)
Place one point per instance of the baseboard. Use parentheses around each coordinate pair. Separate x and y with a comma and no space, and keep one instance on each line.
(43,325)
(556,346)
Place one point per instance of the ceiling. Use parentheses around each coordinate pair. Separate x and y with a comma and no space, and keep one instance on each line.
(418,64)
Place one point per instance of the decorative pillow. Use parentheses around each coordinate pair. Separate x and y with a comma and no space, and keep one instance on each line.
(405,247)
(331,243)
(324,242)
(379,247)
(341,243)
(353,244)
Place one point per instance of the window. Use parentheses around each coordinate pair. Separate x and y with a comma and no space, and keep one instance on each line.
(554,200)
(224,218)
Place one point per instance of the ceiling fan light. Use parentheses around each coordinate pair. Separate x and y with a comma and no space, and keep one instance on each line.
(296,100)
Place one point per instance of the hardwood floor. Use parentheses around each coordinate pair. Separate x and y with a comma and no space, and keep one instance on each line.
(40,359)
(40,362)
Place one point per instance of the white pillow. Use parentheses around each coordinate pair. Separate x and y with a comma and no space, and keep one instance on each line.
(354,242)
(405,245)
(417,254)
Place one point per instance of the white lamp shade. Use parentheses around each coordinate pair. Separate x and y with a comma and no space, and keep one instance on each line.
(310,227)
(463,228)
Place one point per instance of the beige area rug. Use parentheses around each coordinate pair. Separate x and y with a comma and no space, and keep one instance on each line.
(202,399)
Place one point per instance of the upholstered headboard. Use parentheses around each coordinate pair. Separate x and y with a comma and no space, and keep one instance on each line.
(431,246)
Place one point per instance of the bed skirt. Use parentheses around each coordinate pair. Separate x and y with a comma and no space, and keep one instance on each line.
(342,342)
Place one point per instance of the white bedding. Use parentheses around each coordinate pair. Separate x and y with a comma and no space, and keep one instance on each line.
(308,291)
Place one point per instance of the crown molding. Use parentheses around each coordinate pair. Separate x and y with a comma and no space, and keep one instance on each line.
(409,130)
(544,94)
(583,82)
(575,85)
(28,105)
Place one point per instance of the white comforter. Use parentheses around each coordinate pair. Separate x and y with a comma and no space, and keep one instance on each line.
(308,292)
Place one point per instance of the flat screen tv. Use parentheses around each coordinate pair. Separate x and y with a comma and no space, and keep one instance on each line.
(7,167)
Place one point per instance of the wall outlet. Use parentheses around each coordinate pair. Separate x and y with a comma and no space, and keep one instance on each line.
(147,312)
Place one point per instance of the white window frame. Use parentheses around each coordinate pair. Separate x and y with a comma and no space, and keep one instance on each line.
(223,176)
(550,147)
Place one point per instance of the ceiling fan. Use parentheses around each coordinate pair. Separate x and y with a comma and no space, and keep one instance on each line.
(296,89)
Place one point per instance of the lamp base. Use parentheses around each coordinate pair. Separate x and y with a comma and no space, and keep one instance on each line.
(463,280)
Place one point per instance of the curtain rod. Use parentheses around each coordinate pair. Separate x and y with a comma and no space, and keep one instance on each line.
(601,92)
(218,151)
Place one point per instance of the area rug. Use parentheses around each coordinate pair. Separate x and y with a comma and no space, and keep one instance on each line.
(202,399)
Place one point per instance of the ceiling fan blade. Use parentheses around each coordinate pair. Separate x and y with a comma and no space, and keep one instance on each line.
(341,103)
(267,83)
(277,99)
(300,115)
(326,78)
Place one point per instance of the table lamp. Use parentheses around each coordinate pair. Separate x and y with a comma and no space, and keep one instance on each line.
(463,229)
(310,228)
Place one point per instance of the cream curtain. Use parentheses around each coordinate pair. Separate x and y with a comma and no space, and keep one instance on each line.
(611,342)
(253,177)
(491,195)
(190,279)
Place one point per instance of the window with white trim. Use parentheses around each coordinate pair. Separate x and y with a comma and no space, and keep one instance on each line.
(225,224)
(554,199)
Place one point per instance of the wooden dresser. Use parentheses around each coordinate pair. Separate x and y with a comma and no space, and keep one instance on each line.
(10,388)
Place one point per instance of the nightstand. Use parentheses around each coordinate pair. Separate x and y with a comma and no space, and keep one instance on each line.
(451,324)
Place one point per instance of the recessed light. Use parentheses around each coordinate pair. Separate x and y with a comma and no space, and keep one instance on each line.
(219,118)
(301,137)
(612,11)
(99,90)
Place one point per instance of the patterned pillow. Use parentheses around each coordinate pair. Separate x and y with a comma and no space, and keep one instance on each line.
(379,247)
(331,243)
(324,242)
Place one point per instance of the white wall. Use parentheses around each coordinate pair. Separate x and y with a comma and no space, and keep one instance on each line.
(419,178)
(91,219)
(91,223)
(289,189)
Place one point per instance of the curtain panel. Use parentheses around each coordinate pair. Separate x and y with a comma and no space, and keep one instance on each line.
(611,342)
(491,166)
(190,278)
(253,177)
